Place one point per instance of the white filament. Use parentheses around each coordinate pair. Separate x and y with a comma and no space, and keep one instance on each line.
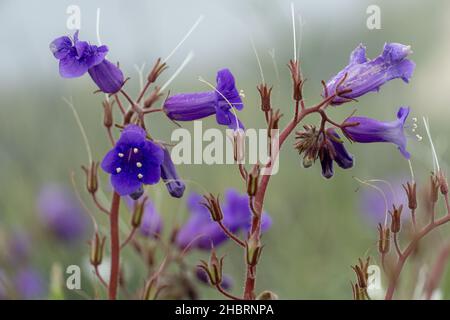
(97,27)
(433,150)
(293,30)
(257,60)
(382,194)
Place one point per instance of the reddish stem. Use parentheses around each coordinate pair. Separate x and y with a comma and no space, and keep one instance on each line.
(115,247)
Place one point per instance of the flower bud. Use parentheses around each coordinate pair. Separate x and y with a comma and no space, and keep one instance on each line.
(91,177)
(213,268)
(267,295)
(239,146)
(265,92)
(107,114)
(252,180)
(138,213)
(410,189)
(395,218)
(253,250)
(213,206)
(97,245)
(384,239)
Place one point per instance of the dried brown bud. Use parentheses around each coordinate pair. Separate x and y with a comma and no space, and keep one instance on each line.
(138,213)
(274,118)
(252,180)
(297,81)
(152,98)
(410,189)
(97,246)
(443,183)
(107,114)
(213,269)
(157,69)
(361,273)
(358,293)
(239,146)
(434,188)
(253,249)
(384,239)
(308,142)
(91,177)
(265,92)
(213,206)
(396,218)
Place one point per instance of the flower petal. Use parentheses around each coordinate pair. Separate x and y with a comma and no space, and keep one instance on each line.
(71,67)
(107,76)
(61,47)
(110,161)
(125,183)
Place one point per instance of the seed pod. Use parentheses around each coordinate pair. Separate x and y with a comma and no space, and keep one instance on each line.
(265,92)
(107,114)
(91,177)
(213,269)
(253,180)
(138,213)
(213,206)
(410,189)
(97,246)
(384,239)
(253,250)
(395,218)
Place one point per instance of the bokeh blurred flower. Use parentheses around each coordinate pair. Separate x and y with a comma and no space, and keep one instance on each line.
(374,203)
(370,130)
(151,223)
(363,76)
(198,105)
(29,284)
(133,161)
(19,246)
(200,231)
(61,213)
(78,57)
(202,276)
(169,174)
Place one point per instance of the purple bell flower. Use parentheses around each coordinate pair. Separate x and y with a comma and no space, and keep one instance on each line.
(61,213)
(29,284)
(169,174)
(78,57)
(198,105)
(334,150)
(364,75)
(370,130)
(133,161)
(200,231)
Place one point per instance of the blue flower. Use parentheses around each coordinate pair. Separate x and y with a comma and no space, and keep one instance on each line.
(169,174)
(200,231)
(133,161)
(334,150)
(198,105)
(78,57)
(363,76)
(370,130)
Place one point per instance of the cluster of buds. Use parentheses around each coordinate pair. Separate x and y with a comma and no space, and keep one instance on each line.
(97,246)
(213,205)
(213,269)
(253,250)
(396,218)
(297,81)
(265,92)
(308,143)
(138,213)
(91,177)
(360,287)
(384,239)
(253,180)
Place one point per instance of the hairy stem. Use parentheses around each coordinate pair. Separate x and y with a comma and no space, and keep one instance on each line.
(115,247)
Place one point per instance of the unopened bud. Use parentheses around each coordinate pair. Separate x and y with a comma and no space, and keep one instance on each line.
(107,114)
(410,189)
(213,206)
(253,249)
(396,218)
(252,180)
(265,92)
(138,213)
(91,177)
(97,246)
(434,188)
(239,146)
(267,295)
(384,239)
(213,269)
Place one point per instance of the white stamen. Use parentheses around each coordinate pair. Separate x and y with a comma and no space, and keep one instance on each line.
(414,119)
(138,164)
(135,150)
(200,19)
(120,155)
(140,176)
(419,137)
(118,170)
(180,68)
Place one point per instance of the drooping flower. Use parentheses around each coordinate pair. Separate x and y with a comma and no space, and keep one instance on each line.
(370,130)
(363,76)
(29,284)
(200,231)
(169,174)
(61,213)
(133,161)
(151,223)
(198,105)
(78,57)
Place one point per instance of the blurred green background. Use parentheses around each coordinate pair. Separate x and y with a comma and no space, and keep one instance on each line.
(319,229)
